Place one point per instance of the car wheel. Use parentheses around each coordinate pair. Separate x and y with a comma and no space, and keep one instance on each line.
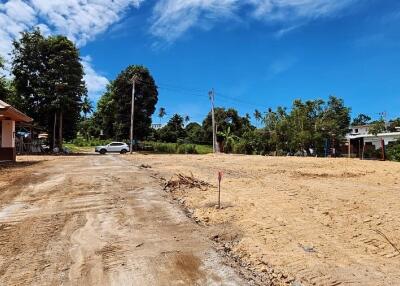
(123,151)
(103,151)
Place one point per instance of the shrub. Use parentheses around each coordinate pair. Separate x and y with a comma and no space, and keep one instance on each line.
(168,148)
(393,152)
(243,147)
(190,149)
(81,142)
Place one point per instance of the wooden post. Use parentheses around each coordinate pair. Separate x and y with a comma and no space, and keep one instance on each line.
(349,148)
(383,149)
(54,131)
(363,150)
(60,132)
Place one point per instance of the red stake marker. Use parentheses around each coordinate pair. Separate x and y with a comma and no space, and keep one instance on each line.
(219,188)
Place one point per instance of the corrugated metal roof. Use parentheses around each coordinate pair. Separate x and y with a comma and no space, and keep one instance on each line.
(371,135)
(7,111)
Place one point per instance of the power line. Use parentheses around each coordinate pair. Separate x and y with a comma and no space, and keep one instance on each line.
(201,93)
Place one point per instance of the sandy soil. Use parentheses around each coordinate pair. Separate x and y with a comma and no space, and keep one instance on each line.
(98,220)
(298,220)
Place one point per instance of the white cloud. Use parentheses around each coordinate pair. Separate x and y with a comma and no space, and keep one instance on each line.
(172,18)
(80,20)
(95,82)
(280,66)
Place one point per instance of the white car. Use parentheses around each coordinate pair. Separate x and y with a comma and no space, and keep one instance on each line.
(113,147)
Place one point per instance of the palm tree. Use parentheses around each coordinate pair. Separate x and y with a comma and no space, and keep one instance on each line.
(161,113)
(257,115)
(229,139)
(87,106)
(187,118)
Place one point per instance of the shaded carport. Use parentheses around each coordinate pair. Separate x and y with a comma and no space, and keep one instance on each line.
(8,117)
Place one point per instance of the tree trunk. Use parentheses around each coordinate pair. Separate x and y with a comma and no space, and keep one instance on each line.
(54,130)
(60,132)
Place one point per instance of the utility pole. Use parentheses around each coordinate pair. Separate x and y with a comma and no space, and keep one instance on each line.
(132,111)
(211,95)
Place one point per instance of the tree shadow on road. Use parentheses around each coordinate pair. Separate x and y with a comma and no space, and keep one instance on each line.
(7,165)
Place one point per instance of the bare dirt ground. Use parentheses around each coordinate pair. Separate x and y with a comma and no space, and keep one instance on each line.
(297,220)
(98,220)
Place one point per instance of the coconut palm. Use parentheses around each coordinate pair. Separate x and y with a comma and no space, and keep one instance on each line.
(257,116)
(161,113)
(187,118)
(87,106)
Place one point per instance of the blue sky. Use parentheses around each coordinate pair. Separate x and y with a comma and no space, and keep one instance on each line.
(255,54)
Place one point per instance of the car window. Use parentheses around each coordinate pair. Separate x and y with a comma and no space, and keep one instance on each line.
(116,144)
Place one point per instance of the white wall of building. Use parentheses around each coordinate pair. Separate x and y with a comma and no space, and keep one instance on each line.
(359,130)
(7,134)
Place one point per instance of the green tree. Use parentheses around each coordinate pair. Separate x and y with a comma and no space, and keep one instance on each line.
(377,127)
(3,84)
(113,113)
(48,78)
(257,116)
(87,106)
(361,119)
(194,133)
(104,116)
(393,151)
(174,130)
(394,125)
(228,139)
(146,97)
(276,129)
(307,126)
(334,122)
(225,118)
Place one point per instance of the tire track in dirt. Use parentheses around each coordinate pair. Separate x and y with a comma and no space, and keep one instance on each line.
(99,220)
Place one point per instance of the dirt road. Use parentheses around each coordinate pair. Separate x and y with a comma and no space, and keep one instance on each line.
(99,220)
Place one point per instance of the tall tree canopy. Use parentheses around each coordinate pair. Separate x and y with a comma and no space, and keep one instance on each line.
(173,130)
(3,83)
(114,107)
(225,118)
(361,119)
(49,81)
(308,124)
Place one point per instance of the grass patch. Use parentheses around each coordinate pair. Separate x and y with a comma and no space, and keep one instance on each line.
(175,148)
(78,149)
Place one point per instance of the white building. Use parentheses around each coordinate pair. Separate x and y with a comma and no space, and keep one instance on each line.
(360,139)
(157,126)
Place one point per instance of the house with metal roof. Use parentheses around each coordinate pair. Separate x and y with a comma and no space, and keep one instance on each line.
(359,139)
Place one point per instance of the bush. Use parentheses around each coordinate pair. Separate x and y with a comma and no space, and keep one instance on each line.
(186,149)
(81,142)
(174,148)
(393,152)
(243,147)
(168,148)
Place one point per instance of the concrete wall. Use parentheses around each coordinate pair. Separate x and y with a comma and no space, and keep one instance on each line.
(7,146)
(376,141)
(8,134)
